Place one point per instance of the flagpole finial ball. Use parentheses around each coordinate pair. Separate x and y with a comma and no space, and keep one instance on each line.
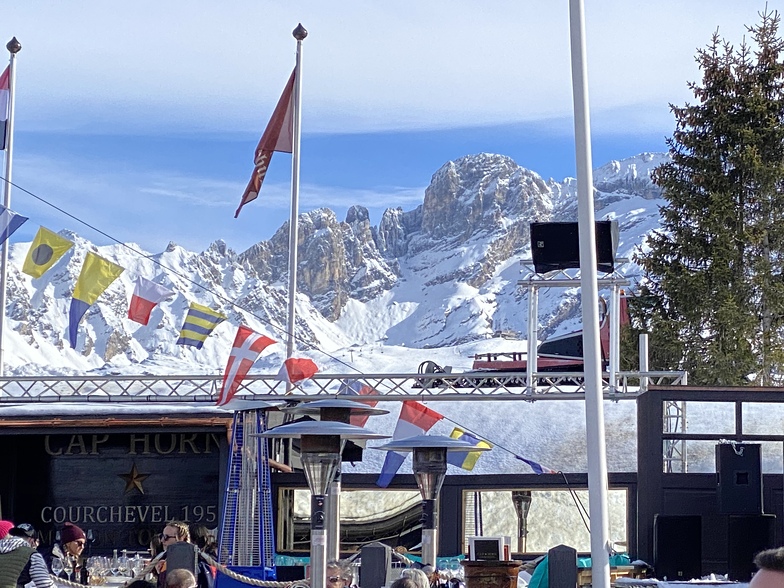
(300,32)
(14,46)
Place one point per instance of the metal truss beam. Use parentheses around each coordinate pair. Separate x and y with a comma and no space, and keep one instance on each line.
(205,388)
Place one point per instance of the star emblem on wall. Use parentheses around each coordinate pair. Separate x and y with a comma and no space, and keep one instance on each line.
(133,479)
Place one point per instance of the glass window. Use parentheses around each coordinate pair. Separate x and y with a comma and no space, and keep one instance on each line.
(553,518)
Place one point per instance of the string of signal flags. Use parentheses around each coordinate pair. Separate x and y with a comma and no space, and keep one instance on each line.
(97,274)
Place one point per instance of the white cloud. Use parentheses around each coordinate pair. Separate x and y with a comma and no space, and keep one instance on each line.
(153,207)
(152,66)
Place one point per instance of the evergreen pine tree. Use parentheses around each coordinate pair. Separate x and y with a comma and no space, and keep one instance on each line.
(713,295)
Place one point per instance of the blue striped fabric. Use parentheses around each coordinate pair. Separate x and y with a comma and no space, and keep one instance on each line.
(199,323)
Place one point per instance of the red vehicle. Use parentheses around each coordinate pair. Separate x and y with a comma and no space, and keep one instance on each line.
(563,353)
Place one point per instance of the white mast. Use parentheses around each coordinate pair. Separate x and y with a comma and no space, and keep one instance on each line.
(13,47)
(299,34)
(594,408)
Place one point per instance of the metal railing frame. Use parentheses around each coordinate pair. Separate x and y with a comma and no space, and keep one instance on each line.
(205,388)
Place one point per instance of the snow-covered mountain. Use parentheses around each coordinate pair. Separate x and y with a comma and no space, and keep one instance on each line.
(438,282)
(441,278)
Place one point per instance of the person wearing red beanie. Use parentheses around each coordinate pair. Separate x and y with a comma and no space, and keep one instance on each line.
(5,526)
(72,541)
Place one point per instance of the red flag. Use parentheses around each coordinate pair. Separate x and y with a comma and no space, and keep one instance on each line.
(247,346)
(278,136)
(357,388)
(295,370)
(146,295)
(5,96)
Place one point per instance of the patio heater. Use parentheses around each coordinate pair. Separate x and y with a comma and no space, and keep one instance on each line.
(341,411)
(247,535)
(429,470)
(321,443)
(522,503)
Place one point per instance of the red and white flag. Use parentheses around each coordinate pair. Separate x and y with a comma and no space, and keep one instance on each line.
(415,419)
(296,369)
(357,388)
(5,97)
(278,136)
(248,344)
(146,295)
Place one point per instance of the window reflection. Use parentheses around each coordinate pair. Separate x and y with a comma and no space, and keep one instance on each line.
(555,517)
(390,516)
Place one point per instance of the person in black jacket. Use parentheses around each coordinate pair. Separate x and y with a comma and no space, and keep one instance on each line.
(20,563)
(177,532)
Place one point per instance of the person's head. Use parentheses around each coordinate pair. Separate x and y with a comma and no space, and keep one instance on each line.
(5,526)
(72,539)
(173,532)
(418,576)
(156,546)
(404,582)
(337,575)
(200,536)
(27,532)
(771,569)
(180,578)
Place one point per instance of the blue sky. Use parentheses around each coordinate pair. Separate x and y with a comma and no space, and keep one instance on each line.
(141,117)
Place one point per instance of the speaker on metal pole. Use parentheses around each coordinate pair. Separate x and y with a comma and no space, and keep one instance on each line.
(677,547)
(739,478)
(556,246)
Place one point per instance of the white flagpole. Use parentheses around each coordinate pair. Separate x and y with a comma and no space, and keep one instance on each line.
(13,47)
(594,407)
(299,34)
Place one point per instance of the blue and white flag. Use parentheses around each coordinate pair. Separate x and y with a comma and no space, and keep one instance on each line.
(536,467)
(9,222)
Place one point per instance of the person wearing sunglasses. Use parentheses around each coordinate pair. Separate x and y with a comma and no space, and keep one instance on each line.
(20,563)
(176,532)
(71,545)
(337,575)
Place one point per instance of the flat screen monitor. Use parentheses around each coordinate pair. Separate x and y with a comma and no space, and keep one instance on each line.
(486,548)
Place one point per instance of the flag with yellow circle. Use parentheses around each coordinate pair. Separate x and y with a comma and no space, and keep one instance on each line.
(45,250)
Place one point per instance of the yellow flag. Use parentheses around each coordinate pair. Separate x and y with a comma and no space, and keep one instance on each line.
(46,249)
(466,460)
(96,275)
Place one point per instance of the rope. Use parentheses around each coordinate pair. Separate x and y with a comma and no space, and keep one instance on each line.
(223,569)
(253,581)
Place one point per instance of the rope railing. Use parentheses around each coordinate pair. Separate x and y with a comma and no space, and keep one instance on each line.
(219,566)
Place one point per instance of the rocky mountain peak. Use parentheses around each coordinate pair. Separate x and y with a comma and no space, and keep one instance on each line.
(444,273)
(474,193)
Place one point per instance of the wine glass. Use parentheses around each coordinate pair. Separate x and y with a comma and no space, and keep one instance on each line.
(57,566)
(454,567)
(68,566)
(443,571)
(137,565)
(122,564)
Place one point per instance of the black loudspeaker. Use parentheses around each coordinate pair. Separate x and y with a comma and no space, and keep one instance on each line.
(556,246)
(182,555)
(747,536)
(739,478)
(378,559)
(677,547)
